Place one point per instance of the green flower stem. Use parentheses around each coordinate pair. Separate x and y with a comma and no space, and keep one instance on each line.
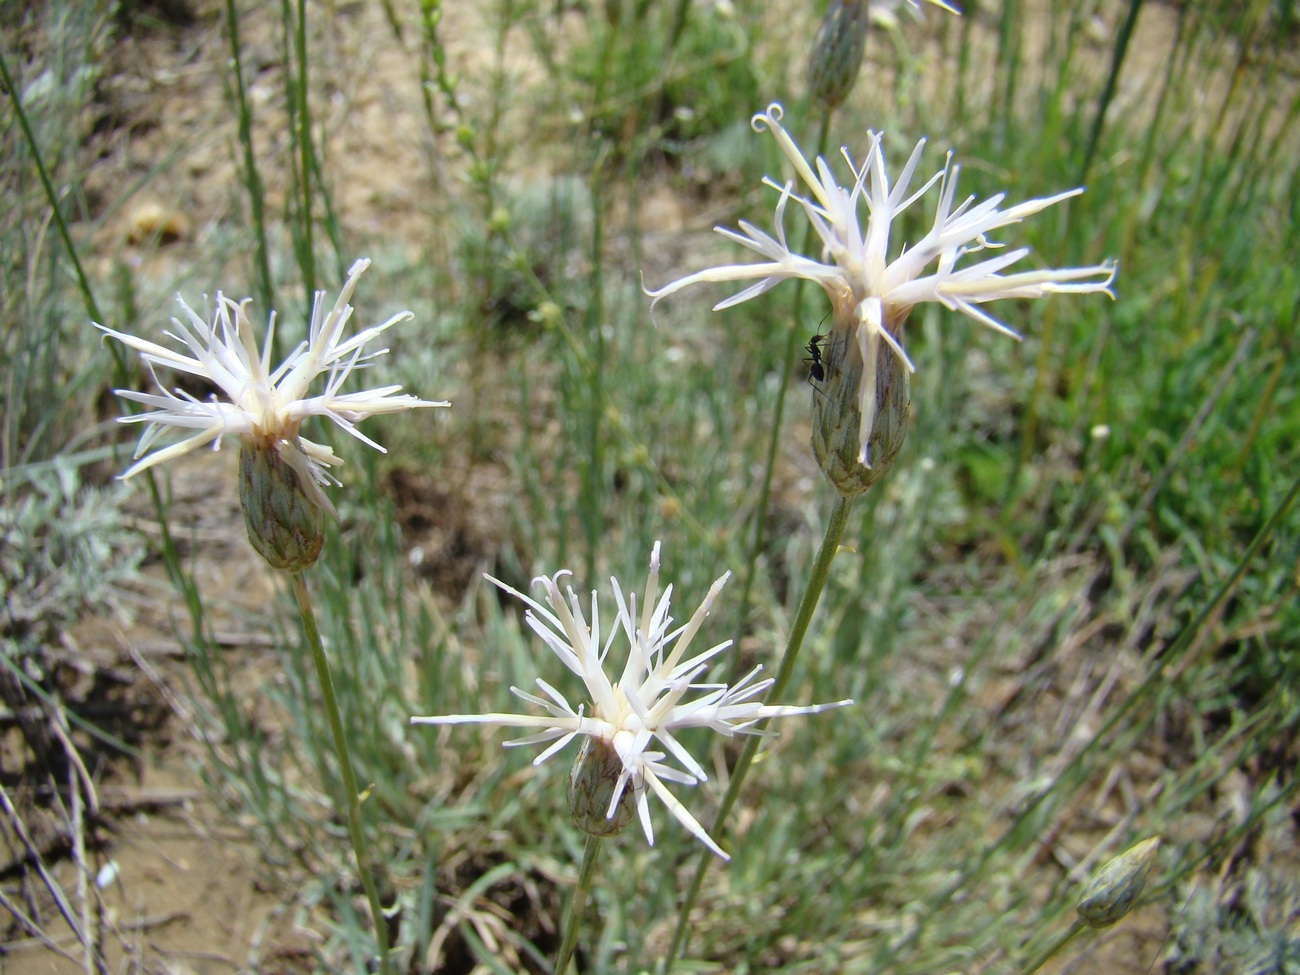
(252,176)
(577,901)
(675,31)
(1046,954)
(807,605)
(306,254)
(778,414)
(345,764)
(1108,92)
(53,198)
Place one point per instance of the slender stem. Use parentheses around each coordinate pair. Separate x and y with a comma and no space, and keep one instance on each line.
(807,605)
(593,479)
(577,901)
(345,765)
(675,31)
(60,899)
(1108,92)
(306,255)
(1046,954)
(778,415)
(252,176)
(55,210)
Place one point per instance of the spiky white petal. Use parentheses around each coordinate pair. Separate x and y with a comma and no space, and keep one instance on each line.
(656,696)
(869,292)
(261,402)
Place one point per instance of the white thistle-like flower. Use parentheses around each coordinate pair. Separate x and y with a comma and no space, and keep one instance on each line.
(871,293)
(263,405)
(649,703)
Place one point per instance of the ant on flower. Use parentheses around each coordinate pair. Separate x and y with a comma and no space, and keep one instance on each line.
(816,367)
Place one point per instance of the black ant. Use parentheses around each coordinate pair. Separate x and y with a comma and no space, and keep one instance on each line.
(816,366)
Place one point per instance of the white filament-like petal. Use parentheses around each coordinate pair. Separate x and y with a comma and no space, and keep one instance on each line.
(270,404)
(873,283)
(657,692)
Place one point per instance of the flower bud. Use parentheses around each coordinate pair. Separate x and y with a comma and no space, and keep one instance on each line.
(837,51)
(592,779)
(284,517)
(837,414)
(1115,888)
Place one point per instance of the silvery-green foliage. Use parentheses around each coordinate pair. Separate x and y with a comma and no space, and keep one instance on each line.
(1249,923)
(64,549)
(1254,933)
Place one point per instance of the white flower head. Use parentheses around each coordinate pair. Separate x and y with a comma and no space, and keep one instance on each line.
(263,404)
(657,695)
(871,294)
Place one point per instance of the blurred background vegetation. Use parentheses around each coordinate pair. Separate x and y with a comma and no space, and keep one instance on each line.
(1068,616)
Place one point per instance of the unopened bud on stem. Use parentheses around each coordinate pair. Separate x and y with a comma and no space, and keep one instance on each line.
(837,51)
(1115,888)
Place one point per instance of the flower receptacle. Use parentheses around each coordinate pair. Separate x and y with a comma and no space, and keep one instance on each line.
(285,524)
(837,415)
(593,778)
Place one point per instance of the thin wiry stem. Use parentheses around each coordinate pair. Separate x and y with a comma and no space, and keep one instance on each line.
(778,415)
(577,901)
(51,884)
(252,176)
(1050,951)
(304,147)
(807,606)
(53,198)
(352,796)
(1108,92)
